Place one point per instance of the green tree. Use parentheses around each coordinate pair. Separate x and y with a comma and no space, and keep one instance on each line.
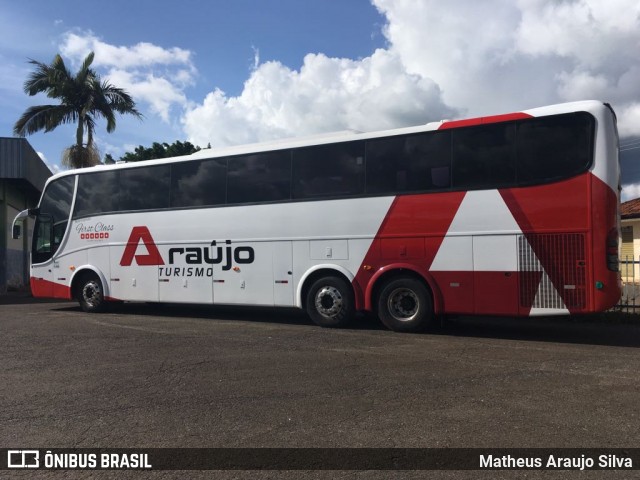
(160,150)
(84,98)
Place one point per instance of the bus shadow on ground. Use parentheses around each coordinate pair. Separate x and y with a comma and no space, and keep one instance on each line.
(587,330)
(276,315)
(597,329)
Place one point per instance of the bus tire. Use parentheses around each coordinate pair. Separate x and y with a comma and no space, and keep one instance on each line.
(90,294)
(405,305)
(330,302)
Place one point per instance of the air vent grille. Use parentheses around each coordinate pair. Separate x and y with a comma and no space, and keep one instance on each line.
(552,269)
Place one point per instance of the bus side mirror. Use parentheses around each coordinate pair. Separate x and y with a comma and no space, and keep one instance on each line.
(16,228)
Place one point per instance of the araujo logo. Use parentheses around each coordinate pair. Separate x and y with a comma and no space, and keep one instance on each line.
(212,255)
(226,254)
(151,258)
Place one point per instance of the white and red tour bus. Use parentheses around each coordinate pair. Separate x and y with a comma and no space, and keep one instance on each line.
(511,214)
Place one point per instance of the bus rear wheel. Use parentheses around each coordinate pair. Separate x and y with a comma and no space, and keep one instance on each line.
(405,305)
(90,294)
(330,302)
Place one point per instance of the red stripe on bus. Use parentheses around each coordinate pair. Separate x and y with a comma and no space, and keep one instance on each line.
(409,218)
(470,122)
(47,289)
(536,211)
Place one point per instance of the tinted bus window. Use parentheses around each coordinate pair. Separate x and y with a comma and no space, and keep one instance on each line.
(328,170)
(56,200)
(97,193)
(199,183)
(51,224)
(552,148)
(263,177)
(145,188)
(484,156)
(409,163)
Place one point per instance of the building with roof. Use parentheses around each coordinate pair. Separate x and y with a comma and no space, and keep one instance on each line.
(630,241)
(22,178)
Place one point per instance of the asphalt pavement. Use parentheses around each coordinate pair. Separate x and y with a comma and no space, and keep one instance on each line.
(176,376)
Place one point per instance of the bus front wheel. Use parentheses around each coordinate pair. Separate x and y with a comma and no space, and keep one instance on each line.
(330,302)
(90,294)
(404,305)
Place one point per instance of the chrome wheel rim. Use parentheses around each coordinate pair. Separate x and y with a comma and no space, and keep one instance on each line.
(403,304)
(328,301)
(91,293)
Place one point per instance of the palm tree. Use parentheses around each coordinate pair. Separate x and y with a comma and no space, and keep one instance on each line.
(84,98)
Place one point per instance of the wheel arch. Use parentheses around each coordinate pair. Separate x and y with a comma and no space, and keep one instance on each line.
(389,272)
(324,270)
(81,272)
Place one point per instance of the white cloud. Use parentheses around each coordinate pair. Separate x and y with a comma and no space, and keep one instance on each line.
(443,60)
(462,58)
(460,45)
(151,74)
(326,94)
(629,119)
(631,191)
(504,55)
(585,31)
(579,85)
(140,55)
(157,91)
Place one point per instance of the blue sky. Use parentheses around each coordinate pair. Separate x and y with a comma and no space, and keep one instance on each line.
(224,40)
(221,34)
(229,72)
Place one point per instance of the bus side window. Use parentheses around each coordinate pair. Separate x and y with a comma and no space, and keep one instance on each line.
(41,248)
(262,177)
(43,243)
(409,163)
(58,234)
(98,193)
(199,183)
(484,156)
(144,188)
(387,170)
(554,148)
(430,160)
(328,170)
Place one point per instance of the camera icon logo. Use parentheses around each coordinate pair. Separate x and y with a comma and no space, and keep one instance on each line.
(23,458)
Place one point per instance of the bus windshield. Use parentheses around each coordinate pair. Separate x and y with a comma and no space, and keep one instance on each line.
(52,219)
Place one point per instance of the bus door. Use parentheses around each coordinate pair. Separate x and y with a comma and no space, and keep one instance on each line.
(52,218)
(42,273)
